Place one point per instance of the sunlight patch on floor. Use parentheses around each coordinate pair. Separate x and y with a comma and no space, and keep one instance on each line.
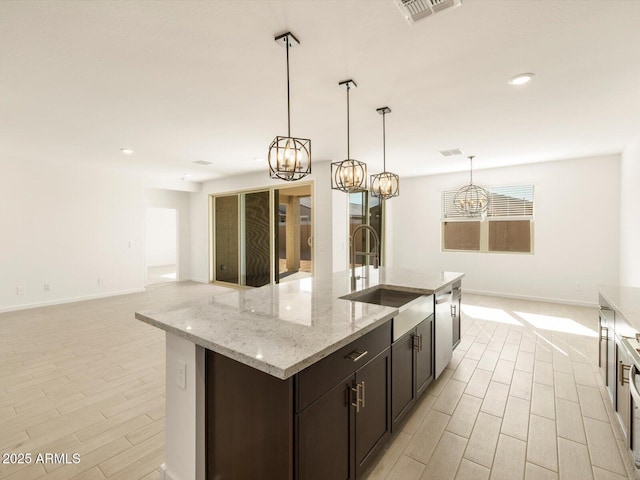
(556,324)
(491,314)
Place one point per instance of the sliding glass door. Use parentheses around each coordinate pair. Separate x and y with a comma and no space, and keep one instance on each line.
(259,237)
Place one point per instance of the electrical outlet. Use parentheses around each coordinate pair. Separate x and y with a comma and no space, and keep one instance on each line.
(99,281)
(181,379)
(47,287)
(19,290)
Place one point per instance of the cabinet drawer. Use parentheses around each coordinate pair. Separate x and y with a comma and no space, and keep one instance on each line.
(314,381)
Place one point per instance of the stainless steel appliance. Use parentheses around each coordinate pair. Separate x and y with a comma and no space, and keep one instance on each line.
(607,351)
(628,392)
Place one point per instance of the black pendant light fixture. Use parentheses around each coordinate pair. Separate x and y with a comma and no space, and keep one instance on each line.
(384,185)
(289,157)
(471,200)
(349,175)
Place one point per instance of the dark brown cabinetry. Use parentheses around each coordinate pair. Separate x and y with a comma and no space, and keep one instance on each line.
(412,368)
(339,433)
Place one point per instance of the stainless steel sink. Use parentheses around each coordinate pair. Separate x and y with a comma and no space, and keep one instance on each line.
(383,296)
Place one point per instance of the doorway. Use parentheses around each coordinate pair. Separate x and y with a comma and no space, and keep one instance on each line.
(294,236)
(161,245)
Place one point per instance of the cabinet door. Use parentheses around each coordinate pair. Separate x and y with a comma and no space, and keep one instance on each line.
(602,351)
(402,376)
(373,420)
(622,388)
(424,355)
(324,436)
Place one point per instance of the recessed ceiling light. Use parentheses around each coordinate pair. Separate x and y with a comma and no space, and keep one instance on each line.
(186,176)
(126,151)
(202,162)
(521,79)
(258,159)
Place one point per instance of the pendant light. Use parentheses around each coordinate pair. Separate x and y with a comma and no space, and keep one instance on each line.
(471,200)
(385,185)
(289,157)
(349,175)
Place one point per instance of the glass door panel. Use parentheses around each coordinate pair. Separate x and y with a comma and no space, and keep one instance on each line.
(227,264)
(257,235)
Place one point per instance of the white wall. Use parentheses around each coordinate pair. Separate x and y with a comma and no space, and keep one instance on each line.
(630,215)
(68,227)
(325,216)
(576,243)
(180,201)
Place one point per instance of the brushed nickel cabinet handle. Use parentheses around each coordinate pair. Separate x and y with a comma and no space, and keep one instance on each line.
(359,391)
(606,336)
(363,393)
(621,368)
(454,309)
(416,342)
(356,355)
(356,404)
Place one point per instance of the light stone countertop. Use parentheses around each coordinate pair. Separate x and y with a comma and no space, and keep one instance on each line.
(282,329)
(625,300)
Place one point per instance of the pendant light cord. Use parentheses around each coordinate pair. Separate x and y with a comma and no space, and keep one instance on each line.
(384,142)
(288,93)
(471,170)
(348,132)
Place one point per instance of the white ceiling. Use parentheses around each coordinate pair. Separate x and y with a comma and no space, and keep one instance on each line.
(180,81)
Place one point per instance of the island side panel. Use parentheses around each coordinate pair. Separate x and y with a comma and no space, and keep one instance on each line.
(185,410)
(249,422)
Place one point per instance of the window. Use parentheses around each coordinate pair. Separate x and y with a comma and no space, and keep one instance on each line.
(364,208)
(507,226)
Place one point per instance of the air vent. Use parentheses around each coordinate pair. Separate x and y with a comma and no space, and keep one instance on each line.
(415,10)
(202,162)
(451,153)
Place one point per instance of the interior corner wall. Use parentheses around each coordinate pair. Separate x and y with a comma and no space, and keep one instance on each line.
(576,230)
(324,216)
(77,229)
(629,217)
(181,202)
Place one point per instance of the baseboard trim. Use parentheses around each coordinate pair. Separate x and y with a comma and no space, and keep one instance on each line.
(199,280)
(165,473)
(531,298)
(60,301)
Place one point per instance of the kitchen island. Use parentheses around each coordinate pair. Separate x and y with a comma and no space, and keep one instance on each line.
(292,381)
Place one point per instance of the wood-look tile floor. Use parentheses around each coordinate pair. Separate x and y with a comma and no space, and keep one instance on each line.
(521,398)
(87,378)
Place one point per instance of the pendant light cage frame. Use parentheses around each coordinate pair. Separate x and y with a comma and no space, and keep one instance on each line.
(350,175)
(472,200)
(289,157)
(384,185)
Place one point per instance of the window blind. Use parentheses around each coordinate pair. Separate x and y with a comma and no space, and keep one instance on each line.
(509,201)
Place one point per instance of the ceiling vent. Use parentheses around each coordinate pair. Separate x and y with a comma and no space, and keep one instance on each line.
(202,162)
(451,153)
(414,10)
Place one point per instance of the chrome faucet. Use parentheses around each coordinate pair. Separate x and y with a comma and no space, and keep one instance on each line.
(352,249)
